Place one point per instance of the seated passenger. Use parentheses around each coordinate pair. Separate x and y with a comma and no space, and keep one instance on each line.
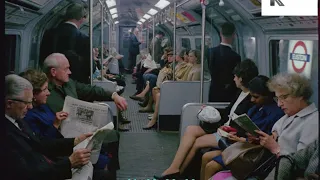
(299,126)
(56,67)
(265,113)
(303,164)
(190,142)
(45,123)
(31,157)
(182,66)
(195,71)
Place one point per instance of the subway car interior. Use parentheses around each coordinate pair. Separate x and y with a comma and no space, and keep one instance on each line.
(137,40)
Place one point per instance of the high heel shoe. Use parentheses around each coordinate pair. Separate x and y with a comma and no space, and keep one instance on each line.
(148,128)
(168,176)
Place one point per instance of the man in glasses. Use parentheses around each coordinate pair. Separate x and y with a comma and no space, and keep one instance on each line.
(30,157)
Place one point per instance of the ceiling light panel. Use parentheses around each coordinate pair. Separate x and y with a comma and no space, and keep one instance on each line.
(162,4)
(116,22)
(139,22)
(142,20)
(110,3)
(146,16)
(152,12)
(114,16)
(113,11)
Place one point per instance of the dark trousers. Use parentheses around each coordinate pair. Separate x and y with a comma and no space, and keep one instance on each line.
(104,175)
(132,61)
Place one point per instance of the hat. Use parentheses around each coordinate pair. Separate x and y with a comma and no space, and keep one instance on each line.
(209,114)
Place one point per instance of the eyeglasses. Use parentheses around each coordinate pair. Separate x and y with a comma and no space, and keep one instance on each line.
(19,100)
(281,97)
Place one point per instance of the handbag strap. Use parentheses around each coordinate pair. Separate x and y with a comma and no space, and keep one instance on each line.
(278,163)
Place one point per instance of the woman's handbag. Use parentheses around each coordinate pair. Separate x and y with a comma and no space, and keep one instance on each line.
(209,118)
(244,158)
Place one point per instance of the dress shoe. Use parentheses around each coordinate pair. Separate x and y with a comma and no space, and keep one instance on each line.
(136,98)
(123,129)
(125,122)
(146,110)
(168,176)
(151,127)
(142,104)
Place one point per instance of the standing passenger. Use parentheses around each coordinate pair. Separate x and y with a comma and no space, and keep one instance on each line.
(222,61)
(133,49)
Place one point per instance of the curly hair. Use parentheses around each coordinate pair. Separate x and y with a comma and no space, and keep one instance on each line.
(36,78)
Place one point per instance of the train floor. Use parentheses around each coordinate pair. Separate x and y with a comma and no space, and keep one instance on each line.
(143,153)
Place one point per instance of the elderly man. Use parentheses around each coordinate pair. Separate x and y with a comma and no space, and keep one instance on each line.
(30,157)
(56,66)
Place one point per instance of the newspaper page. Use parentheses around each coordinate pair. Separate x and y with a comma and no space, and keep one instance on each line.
(83,173)
(83,117)
(95,141)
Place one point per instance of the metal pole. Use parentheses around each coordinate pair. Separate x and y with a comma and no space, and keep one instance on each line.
(153,34)
(174,39)
(102,19)
(109,34)
(202,46)
(147,38)
(91,35)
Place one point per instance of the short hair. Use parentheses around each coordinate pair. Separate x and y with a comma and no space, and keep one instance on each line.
(246,70)
(36,78)
(182,52)
(295,84)
(227,29)
(259,85)
(15,86)
(51,62)
(76,11)
(197,54)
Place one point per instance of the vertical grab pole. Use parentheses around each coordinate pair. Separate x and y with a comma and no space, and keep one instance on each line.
(203,5)
(153,34)
(102,19)
(174,39)
(91,36)
(109,35)
(147,38)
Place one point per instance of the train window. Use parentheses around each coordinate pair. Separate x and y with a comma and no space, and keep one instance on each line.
(186,43)
(198,43)
(12,53)
(305,53)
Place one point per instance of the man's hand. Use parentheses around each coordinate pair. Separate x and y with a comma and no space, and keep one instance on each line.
(60,116)
(79,157)
(120,102)
(81,138)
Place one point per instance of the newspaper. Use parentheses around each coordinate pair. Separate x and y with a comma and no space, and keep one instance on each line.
(83,117)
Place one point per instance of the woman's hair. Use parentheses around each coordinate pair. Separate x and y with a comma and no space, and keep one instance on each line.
(295,84)
(259,85)
(36,78)
(246,70)
(182,52)
(167,49)
(197,54)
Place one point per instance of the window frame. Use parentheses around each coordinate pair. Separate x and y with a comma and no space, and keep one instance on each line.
(18,47)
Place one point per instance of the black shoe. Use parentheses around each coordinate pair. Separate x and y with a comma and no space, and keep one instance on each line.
(136,98)
(125,122)
(123,129)
(168,176)
(151,127)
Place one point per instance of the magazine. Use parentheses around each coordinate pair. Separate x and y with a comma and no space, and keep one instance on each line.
(246,124)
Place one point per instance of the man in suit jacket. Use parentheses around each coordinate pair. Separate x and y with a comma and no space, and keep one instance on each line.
(68,37)
(30,157)
(222,61)
(134,49)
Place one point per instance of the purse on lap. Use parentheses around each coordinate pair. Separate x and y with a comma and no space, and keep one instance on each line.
(244,158)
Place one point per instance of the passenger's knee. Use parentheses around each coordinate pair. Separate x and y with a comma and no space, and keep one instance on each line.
(206,157)
(190,131)
(212,166)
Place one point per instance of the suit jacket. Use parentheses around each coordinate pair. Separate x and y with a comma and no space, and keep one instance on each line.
(222,61)
(134,45)
(27,154)
(76,90)
(68,37)
(158,50)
